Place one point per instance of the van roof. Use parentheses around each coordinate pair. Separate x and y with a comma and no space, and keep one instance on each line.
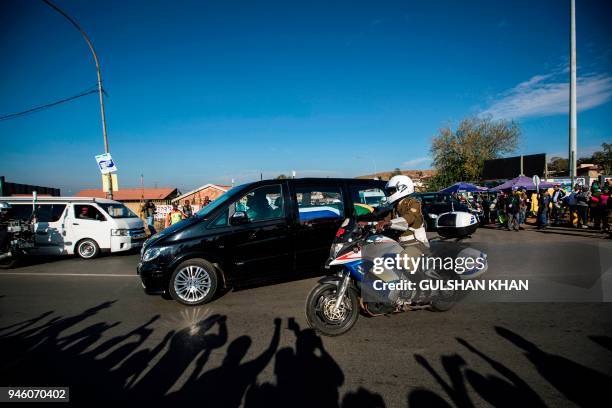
(28,200)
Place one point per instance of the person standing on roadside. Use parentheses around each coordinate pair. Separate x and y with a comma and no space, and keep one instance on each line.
(486,209)
(513,212)
(603,209)
(582,206)
(571,203)
(557,200)
(187,209)
(543,202)
(502,203)
(595,206)
(175,215)
(522,207)
(149,213)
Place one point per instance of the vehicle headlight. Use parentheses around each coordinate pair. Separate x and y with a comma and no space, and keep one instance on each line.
(154,252)
(122,232)
(433,216)
(337,248)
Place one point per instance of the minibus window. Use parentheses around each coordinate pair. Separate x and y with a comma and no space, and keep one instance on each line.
(117,210)
(88,212)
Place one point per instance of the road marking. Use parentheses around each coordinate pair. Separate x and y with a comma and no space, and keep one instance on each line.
(66,274)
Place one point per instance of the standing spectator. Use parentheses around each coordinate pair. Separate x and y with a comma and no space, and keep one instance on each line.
(543,202)
(513,211)
(175,215)
(557,200)
(609,211)
(187,209)
(571,203)
(486,209)
(595,205)
(582,206)
(523,202)
(149,211)
(603,208)
(502,202)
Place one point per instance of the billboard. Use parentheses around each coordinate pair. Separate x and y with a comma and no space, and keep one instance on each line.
(511,167)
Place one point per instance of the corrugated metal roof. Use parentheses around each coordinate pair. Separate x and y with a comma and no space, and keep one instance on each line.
(132,194)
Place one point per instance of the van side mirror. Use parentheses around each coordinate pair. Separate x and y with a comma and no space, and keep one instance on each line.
(239,218)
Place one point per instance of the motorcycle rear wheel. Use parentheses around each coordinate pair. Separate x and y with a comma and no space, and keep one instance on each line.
(319,310)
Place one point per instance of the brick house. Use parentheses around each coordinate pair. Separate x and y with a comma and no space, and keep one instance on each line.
(133,197)
(196,197)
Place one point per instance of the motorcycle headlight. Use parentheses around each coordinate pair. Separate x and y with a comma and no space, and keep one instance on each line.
(154,252)
(337,248)
(433,216)
(122,232)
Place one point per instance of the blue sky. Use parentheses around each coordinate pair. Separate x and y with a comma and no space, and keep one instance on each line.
(202,91)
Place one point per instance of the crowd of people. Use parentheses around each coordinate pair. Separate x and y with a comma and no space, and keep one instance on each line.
(583,207)
(176,214)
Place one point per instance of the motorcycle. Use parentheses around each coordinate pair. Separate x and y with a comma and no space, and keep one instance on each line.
(334,304)
(19,240)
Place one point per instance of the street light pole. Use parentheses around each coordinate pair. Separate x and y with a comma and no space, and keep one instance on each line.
(100,91)
(573,121)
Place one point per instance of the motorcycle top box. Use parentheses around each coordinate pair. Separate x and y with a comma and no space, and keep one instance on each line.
(456,224)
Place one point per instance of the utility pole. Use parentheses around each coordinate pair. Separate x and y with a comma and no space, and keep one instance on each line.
(100,91)
(573,120)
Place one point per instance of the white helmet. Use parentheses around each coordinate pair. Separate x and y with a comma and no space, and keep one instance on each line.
(399,187)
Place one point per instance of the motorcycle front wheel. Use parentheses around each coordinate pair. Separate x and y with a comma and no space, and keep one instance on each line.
(8,263)
(320,310)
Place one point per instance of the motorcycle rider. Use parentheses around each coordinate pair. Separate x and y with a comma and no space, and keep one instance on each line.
(406,217)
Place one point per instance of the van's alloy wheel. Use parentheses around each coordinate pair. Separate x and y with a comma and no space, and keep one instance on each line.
(87,249)
(193,282)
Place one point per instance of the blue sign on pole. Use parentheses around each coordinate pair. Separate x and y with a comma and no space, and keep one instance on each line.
(106,163)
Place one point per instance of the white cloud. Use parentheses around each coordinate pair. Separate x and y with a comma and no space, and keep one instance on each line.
(419,161)
(548,94)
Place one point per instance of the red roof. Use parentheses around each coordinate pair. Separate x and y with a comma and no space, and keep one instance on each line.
(132,194)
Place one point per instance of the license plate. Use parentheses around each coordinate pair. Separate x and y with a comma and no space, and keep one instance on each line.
(139,236)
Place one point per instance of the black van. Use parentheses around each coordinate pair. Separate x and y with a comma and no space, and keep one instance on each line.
(255,232)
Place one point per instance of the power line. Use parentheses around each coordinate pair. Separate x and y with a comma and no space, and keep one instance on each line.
(49,105)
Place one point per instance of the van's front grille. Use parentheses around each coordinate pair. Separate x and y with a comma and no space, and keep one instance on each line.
(136,231)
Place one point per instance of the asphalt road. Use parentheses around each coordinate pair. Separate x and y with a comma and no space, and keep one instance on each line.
(87,324)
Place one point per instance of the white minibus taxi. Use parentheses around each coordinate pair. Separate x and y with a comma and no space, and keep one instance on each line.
(79,225)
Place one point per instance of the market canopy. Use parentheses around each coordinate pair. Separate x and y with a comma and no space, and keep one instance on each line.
(521,181)
(462,187)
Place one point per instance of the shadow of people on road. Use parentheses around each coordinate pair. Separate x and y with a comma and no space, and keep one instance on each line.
(579,384)
(226,385)
(136,365)
(306,376)
(509,391)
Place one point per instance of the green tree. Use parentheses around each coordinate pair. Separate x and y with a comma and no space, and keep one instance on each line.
(396,172)
(459,155)
(281,177)
(602,158)
(557,164)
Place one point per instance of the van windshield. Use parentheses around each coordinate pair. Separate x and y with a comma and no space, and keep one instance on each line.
(117,210)
(219,201)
